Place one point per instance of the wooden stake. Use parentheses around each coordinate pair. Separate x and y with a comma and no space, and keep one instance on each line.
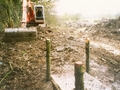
(87,55)
(79,80)
(48,61)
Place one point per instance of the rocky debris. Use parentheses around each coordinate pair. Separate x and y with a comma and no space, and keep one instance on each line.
(78,24)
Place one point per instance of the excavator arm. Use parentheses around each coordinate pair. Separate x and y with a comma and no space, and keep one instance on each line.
(24,14)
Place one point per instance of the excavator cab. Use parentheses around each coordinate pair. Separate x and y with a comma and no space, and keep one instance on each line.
(39,14)
(37,17)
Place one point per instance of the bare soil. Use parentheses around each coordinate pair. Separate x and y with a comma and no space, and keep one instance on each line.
(23,63)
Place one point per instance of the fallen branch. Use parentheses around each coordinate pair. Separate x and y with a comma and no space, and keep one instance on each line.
(7,73)
(5,76)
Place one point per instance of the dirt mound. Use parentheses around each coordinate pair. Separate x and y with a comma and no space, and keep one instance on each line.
(106,29)
(109,23)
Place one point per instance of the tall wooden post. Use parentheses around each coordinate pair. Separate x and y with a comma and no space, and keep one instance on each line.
(87,55)
(48,61)
(79,80)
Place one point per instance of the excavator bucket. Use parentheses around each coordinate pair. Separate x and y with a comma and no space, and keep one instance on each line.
(19,34)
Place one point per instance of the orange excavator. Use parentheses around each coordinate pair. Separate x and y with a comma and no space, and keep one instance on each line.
(32,15)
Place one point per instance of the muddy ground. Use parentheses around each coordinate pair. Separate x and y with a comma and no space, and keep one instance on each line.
(23,67)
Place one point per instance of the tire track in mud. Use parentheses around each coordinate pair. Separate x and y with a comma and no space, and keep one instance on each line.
(107,59)
(109,53)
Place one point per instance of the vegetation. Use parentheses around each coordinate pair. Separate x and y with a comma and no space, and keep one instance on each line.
(71,17)
(11,12)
